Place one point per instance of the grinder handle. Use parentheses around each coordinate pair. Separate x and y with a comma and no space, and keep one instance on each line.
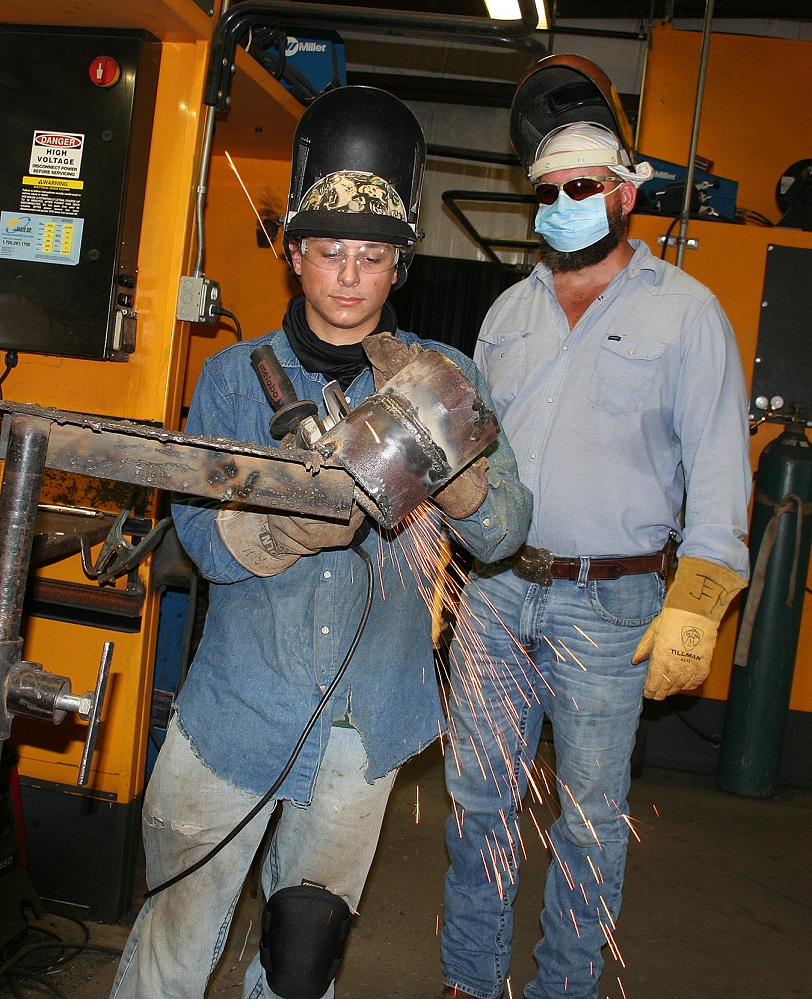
(289,410)
(278,387)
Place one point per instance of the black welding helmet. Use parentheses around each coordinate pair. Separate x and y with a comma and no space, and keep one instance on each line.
(563,90)
(357,170)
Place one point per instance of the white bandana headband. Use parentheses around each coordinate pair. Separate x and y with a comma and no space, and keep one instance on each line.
(586,144)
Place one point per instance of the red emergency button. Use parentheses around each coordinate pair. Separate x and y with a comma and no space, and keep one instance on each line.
(104,71)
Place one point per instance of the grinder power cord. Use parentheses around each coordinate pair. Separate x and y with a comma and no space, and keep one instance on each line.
(266,544)
(300,743)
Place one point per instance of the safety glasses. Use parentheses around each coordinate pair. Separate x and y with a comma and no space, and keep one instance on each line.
(579,188)
(331,255)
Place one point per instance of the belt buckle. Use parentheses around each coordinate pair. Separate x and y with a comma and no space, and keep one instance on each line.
(546,559)
(535,568)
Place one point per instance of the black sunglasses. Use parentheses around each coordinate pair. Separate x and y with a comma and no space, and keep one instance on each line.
(578,189)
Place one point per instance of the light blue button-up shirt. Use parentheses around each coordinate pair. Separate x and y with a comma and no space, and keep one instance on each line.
(272,645)
(641,406)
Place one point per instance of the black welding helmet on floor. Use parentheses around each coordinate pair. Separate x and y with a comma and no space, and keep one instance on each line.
(357,170)
(563,90)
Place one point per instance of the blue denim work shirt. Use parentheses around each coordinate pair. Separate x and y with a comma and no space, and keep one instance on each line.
(271,646)
(616,423)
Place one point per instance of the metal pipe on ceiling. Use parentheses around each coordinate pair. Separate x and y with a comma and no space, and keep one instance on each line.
(521,34)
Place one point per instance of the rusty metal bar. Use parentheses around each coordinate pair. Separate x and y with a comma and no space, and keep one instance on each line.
(213,468)
(22,480)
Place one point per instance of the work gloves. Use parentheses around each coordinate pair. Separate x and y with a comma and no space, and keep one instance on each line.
(679,642)
(266,544)
(465,493)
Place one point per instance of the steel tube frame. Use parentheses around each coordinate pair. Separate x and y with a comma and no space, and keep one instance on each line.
(19,494)
(34,438)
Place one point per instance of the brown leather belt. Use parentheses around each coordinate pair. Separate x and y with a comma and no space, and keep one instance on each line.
(538,565)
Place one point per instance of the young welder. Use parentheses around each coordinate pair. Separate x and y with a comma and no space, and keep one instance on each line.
(619,383)
(287,594)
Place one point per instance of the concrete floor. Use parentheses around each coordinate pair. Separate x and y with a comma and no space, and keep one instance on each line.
(716,905)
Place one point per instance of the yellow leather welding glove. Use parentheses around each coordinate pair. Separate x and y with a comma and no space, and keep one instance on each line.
(679,642)
(464,494)
(267,543)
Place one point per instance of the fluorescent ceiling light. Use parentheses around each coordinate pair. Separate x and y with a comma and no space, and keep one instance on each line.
(508,10)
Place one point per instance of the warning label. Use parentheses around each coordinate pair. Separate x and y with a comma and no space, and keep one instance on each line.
(51,196)
(44,238)
(56,154)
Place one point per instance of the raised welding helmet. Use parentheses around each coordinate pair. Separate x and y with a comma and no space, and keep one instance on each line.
(563,90)
(357,171)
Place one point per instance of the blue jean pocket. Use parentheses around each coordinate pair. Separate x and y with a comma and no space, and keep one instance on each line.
(630,601)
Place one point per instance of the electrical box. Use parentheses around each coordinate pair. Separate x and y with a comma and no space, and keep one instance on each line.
(78,106)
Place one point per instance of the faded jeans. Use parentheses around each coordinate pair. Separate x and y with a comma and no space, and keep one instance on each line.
(180,933)
(502,688)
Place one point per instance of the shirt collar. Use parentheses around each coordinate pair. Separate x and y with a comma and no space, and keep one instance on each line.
(642,260)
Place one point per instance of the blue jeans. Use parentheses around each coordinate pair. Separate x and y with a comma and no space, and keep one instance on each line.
(180,933)
(519,655)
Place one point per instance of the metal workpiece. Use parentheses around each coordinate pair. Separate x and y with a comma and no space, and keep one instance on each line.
(210,467)
(407,440)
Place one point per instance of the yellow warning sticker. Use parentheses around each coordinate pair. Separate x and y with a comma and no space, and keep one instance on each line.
(55,183)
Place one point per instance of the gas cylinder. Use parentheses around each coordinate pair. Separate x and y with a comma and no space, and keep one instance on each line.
(761,680)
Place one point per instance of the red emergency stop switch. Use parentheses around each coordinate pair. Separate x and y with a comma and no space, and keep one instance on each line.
(104,71)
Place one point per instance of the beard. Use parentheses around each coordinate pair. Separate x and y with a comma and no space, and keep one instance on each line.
(559,261)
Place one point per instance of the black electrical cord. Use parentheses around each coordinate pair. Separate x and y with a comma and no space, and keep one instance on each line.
(232,317)
(11,363)
(13,974)
(263,801)
(714,740)
(668,232)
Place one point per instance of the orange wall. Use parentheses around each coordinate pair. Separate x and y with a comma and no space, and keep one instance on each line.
(755,123)
(756,111)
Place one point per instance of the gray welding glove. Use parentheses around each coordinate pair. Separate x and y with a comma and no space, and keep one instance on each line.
(267,543)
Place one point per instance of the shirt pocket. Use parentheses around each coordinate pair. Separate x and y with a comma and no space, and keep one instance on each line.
(625,373)
(504,355)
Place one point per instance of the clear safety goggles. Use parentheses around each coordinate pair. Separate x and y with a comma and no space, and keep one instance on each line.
(331,255)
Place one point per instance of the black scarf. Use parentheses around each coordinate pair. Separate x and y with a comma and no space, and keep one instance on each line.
(342,362)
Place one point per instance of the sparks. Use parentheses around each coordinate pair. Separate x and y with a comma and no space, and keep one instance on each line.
(590,640)
(251,203)
(566,648)
(372,431)
(417,804)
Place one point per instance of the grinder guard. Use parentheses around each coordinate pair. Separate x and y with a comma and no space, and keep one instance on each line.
(413,435)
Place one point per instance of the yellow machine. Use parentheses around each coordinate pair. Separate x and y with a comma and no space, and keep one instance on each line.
(110,172)
(144,150)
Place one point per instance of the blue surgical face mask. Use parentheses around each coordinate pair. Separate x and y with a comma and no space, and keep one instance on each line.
(569,225)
